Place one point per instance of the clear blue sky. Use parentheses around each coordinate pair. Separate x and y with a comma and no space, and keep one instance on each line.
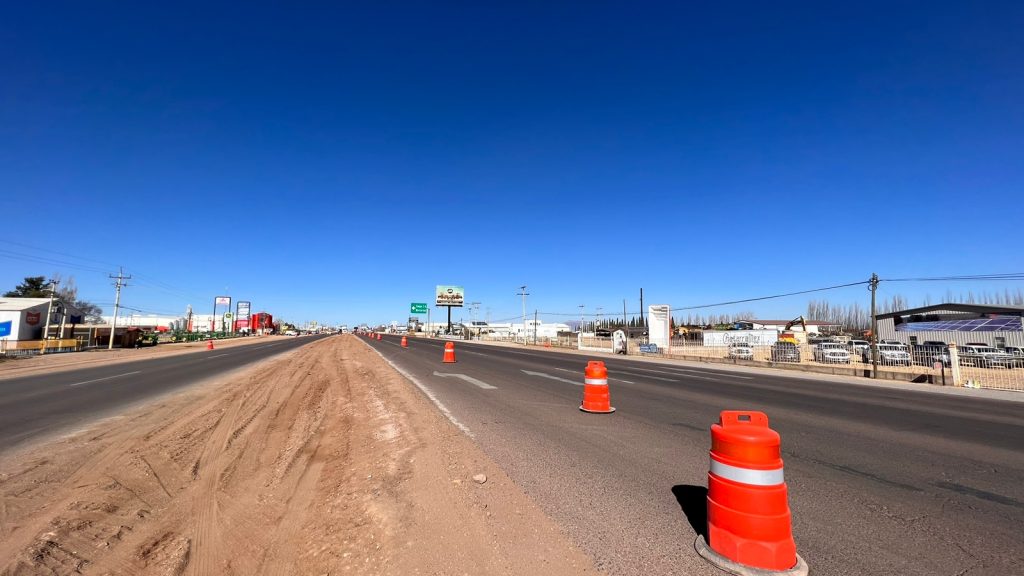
(336,161)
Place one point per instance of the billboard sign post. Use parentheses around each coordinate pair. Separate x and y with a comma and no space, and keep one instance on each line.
(450,297)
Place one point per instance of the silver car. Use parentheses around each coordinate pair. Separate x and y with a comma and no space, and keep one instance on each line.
(985,357)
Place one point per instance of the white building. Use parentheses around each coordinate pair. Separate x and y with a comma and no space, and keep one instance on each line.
(149,322)
(25,318)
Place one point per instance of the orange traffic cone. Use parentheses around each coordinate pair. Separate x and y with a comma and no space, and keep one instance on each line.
(748,514)
(209,344)
(596,399)
(449,353)
(405,342)
(379,337)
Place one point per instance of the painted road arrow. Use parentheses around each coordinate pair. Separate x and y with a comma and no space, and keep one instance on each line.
(543,375)
(469,379)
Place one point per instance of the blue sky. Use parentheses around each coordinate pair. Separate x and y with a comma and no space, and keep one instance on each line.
(336,161)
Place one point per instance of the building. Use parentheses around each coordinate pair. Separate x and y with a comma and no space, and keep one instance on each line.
(25,318)
(814,327)
(996,326)
(147,322)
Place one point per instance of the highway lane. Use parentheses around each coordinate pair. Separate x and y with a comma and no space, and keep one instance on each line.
(39,406)
(883,480)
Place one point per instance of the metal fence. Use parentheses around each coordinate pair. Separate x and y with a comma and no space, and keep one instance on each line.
(929,364)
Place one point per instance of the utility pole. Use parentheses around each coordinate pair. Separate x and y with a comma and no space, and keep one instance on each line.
(643,323)
(873,286)
(581,318)
(535,327)
(119,282)
(49,313)
(597,322)
(522,292)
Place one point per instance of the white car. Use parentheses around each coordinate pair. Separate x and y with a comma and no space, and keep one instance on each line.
(741,351)
(831,353)
(890,355)
(291,333)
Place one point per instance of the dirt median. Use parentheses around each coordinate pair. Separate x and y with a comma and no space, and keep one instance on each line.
(321,461)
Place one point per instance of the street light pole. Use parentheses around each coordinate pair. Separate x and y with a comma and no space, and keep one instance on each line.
(524,294)
(581,319)
(49,313)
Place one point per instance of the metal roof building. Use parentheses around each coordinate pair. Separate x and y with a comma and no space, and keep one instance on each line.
(997,326)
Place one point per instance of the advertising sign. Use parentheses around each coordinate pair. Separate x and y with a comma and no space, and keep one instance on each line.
(243,309)
(450,296)
(659,320)
(32,318)
(418,308)
(225,300)
(5,328)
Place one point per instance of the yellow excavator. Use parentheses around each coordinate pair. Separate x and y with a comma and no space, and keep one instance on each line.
(788,335)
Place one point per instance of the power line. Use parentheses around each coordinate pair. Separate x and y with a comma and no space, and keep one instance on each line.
(773,296)
(1009,276)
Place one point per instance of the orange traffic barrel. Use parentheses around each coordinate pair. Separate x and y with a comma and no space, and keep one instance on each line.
(405,342)
(749,523)
(449,353)
(209,344)
(596,398)
(379,337)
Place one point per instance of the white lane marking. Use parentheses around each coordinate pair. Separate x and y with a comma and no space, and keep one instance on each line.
(621,380)
(719,374)
(469,379)
(217,356)
(647,376)
(543,375)
(107,378)
(429,394)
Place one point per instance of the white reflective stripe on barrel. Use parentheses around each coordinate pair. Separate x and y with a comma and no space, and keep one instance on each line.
(597,381)
(746,475)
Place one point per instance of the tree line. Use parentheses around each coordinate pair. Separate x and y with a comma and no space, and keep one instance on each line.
(66,293)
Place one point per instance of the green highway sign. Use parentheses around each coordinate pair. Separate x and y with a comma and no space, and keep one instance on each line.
(418,308)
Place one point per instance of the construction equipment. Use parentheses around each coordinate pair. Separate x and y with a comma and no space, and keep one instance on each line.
(788,335)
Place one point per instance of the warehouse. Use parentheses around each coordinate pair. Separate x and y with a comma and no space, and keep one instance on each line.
(997,326)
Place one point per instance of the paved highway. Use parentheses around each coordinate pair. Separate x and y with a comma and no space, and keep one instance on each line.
(883,480)
(40,406)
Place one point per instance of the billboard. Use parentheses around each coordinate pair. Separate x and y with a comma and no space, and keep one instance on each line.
(225,300)
(242,313)
(450,296)
(659,322)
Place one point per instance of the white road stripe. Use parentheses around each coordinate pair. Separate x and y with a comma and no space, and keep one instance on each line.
(543,375)
(107,378)
(469,379)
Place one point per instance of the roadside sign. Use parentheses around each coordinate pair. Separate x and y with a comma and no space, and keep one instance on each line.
(418,308)
(228,316)
(5,328)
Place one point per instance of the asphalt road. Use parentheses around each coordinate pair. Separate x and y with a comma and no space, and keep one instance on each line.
(41,406)
(882,480)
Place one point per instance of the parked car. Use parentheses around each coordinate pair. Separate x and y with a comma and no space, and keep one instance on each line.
(858,346)
(892,343)
(889,355)
(785,352)
(1018,355)
(985,357)
(741,351)
(831,353)
(928,354)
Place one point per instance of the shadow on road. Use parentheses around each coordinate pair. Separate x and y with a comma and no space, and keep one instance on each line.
(694,502)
